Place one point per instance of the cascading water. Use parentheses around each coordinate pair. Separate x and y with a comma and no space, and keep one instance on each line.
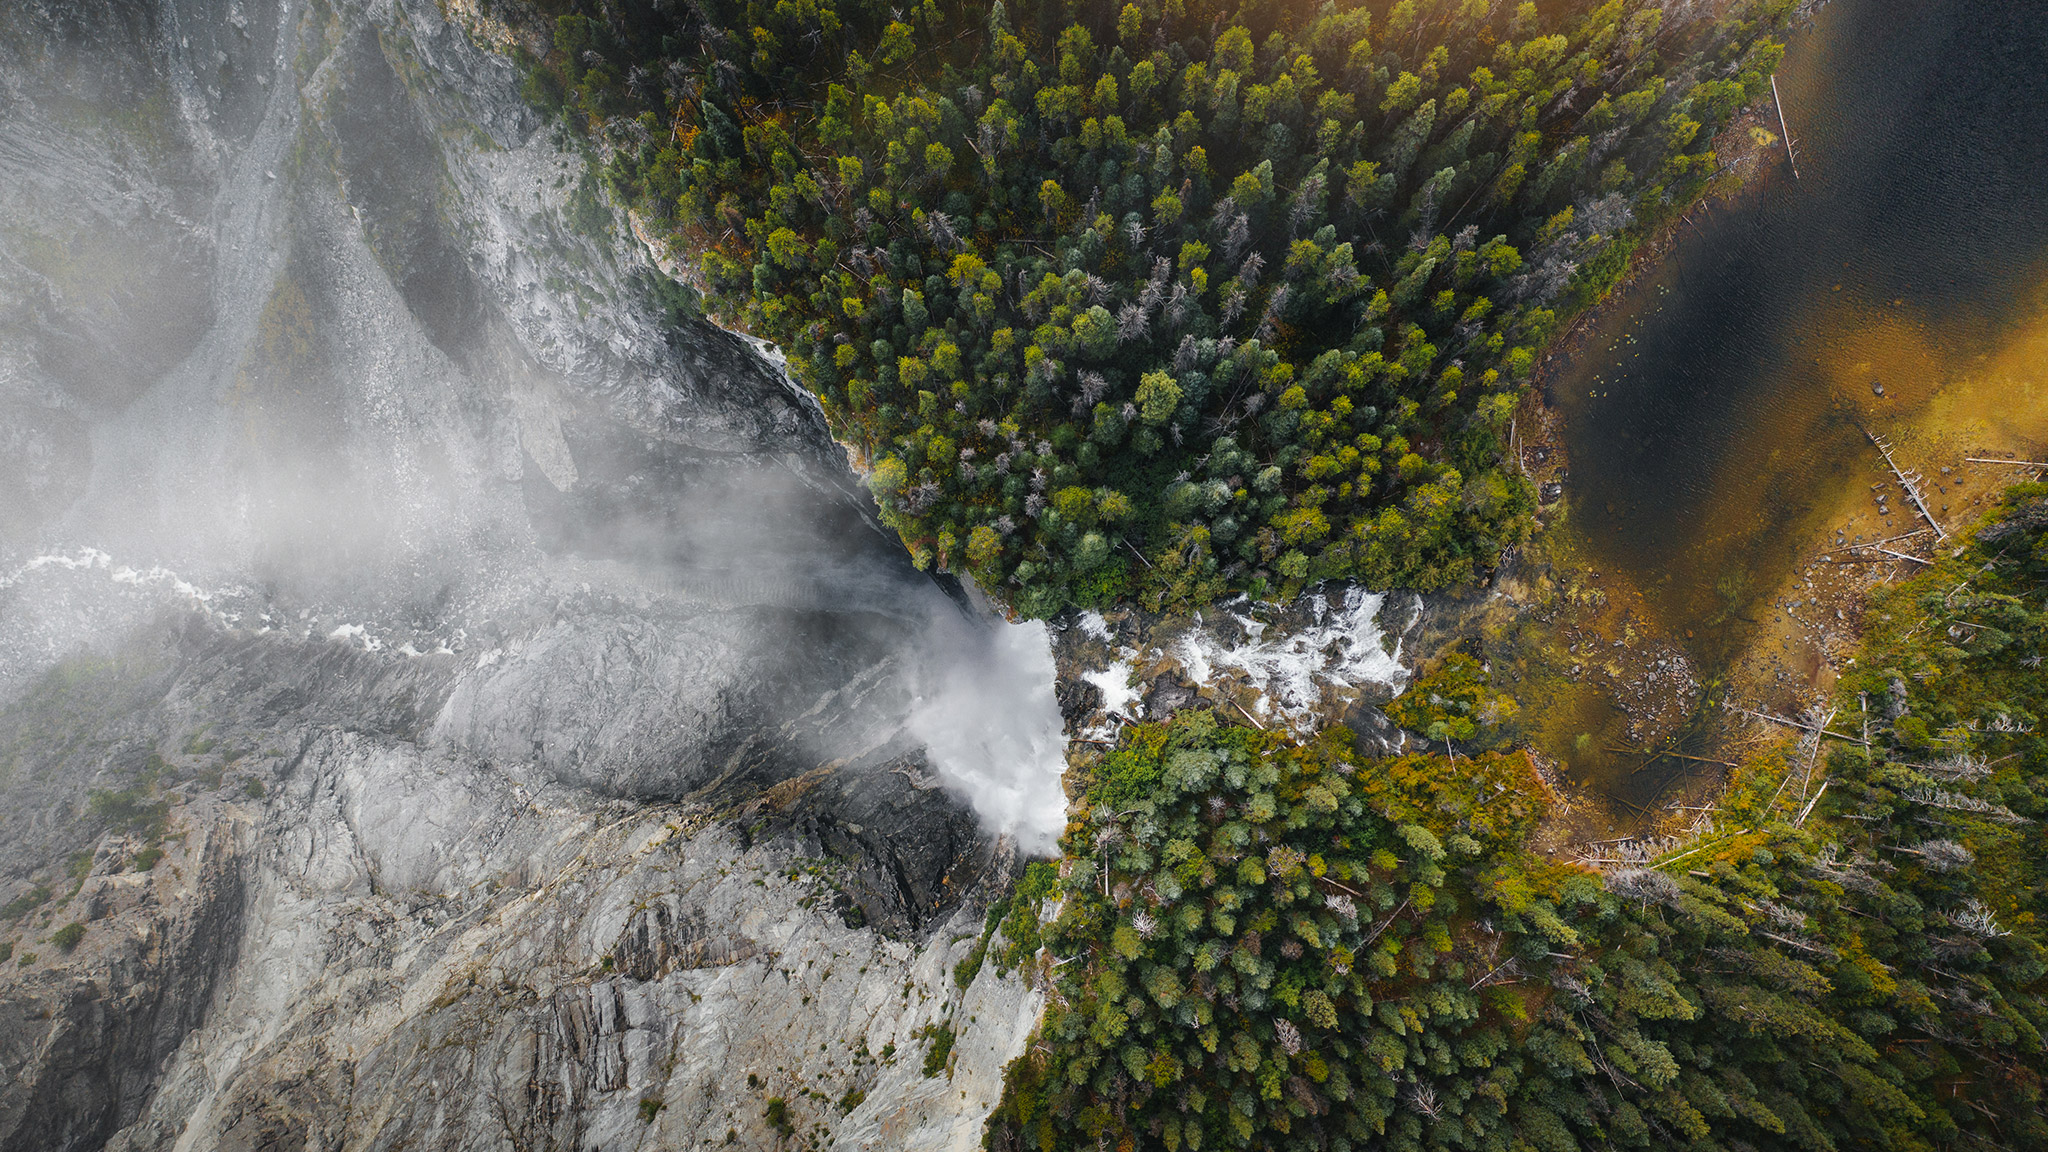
(415,405)
(418,586)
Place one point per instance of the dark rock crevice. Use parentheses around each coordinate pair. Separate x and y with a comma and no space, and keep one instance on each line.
(83,1049)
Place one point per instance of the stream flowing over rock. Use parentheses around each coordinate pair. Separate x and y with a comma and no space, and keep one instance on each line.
(460,703)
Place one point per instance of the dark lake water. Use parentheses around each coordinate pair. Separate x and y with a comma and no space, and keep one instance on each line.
(1714,415)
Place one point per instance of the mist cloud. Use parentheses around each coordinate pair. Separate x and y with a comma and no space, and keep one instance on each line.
(992,727)
(386,396)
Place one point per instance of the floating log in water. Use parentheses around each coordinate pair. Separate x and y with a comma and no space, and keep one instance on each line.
(1632,805)
(1673,755)
(1889,539)
(1906,482)
(1779,104)
(2021,463)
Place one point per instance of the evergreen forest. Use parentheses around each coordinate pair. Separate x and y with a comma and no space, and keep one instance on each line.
(1163,302)
(1159,302)
(1262,942)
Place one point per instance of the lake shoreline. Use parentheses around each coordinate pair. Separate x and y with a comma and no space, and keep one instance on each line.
(1769,558)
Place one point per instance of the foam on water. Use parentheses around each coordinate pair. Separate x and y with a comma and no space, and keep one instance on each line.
(1341,650)
(1115,685)
(357,634)
(51,569)
(95,560)
(59,601)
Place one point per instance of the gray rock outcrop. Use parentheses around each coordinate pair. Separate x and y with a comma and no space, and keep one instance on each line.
(353,938)
(446,700)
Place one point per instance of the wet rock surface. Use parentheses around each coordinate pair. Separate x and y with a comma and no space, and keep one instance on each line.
(444,700)
(340,933)
(1332,655)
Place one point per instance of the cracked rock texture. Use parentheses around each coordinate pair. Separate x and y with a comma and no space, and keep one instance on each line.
(357,937)
(448,699)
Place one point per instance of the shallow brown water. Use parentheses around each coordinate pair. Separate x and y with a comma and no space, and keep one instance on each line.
(1715,413)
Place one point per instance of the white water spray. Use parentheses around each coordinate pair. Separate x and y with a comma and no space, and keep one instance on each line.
(992,729)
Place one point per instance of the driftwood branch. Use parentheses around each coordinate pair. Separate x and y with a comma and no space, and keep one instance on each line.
(1810,803)
(1906,482)
(1673,755)
(1797,724)
(1779,104)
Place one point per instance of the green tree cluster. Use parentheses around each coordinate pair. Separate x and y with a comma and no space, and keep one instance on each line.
(1269,943)
(1165,298)
(1453,702)
(66,938)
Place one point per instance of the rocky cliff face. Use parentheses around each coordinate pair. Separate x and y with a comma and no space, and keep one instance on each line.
(358,936)
(445,701)
(448,699)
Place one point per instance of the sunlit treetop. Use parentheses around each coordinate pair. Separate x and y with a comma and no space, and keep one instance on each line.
(1165,300)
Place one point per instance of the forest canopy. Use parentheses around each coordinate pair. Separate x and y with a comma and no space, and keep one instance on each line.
(1267,943)
(1162,300)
